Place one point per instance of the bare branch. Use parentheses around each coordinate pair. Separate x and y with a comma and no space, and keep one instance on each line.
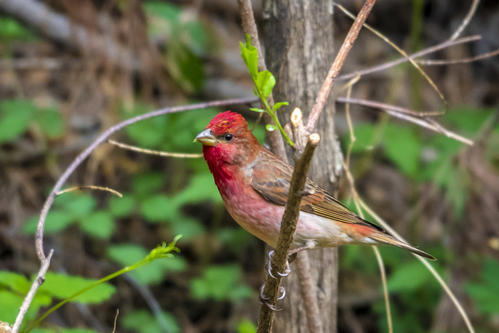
(288,227)
(90,187)
(431,62)
(153,152)
(379,105)
(415,55)
(394,112)
(338,64)
(45,260)
(40,278)
(466,20)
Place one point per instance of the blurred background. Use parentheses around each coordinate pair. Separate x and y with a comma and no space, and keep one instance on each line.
(70,69)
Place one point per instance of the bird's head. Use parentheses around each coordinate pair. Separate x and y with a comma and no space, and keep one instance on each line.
(227,139)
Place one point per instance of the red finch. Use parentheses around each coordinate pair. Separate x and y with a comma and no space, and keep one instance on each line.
(254,185)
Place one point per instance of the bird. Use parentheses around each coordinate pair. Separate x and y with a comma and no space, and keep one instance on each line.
(254,183)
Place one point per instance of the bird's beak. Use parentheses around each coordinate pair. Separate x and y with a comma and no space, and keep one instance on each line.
(206,138)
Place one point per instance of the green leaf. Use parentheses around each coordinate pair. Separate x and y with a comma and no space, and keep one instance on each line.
(270,127)
(246,326)
(143,322)
(237,239)
(153,273)
(249,54)
(188,227)
(467,119)
(121,207)
(403,147)
(158,208)
(279,105)
(99,224)
(79,206)
(220,283)
(63,286)
(185,67)
(10,29)
(50,122)
(264,83)
(14,281)
(201,188)
(57,220)
(147,133)
(484,292)
(146,183)
(366,136)
(257,110)
(15,117)
(408,277)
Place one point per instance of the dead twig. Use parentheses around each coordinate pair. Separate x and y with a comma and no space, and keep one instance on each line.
(153,152)
(90,187)
(45,260)
(415,55)
(423,122)
(466,20)
(431,62)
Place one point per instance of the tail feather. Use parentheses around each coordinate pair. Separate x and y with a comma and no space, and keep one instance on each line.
(387,239)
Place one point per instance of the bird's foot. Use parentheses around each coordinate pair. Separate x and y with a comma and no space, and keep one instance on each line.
(265,300)
(269,267)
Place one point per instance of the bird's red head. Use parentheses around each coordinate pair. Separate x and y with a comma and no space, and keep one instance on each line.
(227,140)
(228,122)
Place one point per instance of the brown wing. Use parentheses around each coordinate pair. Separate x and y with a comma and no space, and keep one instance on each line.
(273,184)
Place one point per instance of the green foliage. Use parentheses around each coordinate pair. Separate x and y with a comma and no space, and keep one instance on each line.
(10,29)
(188,42)
(127,254)
(99,224)
(264,84)
(149,133)
(63,286)
(143,322)
(50,122)
(403,147)
(484,292)
(246,326)
(17,115)
(220,283)
(409,277)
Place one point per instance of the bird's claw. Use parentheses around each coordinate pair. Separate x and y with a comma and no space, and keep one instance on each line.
(269,267)
(264,299)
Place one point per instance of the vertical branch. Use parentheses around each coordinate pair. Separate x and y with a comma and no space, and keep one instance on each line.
(288,227)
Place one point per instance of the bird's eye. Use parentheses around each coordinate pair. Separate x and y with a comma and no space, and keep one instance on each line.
(228,137)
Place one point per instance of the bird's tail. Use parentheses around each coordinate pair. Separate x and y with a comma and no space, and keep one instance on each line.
(387,239)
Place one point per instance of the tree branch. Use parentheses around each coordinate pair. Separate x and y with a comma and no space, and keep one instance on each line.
(288,227)
(466,20)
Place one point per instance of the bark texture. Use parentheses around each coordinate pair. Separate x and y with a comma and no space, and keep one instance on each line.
(299,49)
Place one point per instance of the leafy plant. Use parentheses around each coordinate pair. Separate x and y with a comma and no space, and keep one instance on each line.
(484,292)
(143,322)
(220,283)
(264,84)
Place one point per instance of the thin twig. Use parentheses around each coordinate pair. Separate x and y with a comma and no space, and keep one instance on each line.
(431,62)
(415,55)
(399,50)
(288,227)
(307,292)
(338,64)
(466,20)
(424,262)
(40,278)
(423,122)
(45,261)
(394,108)
(90,187)
(153,152)
(115,320)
